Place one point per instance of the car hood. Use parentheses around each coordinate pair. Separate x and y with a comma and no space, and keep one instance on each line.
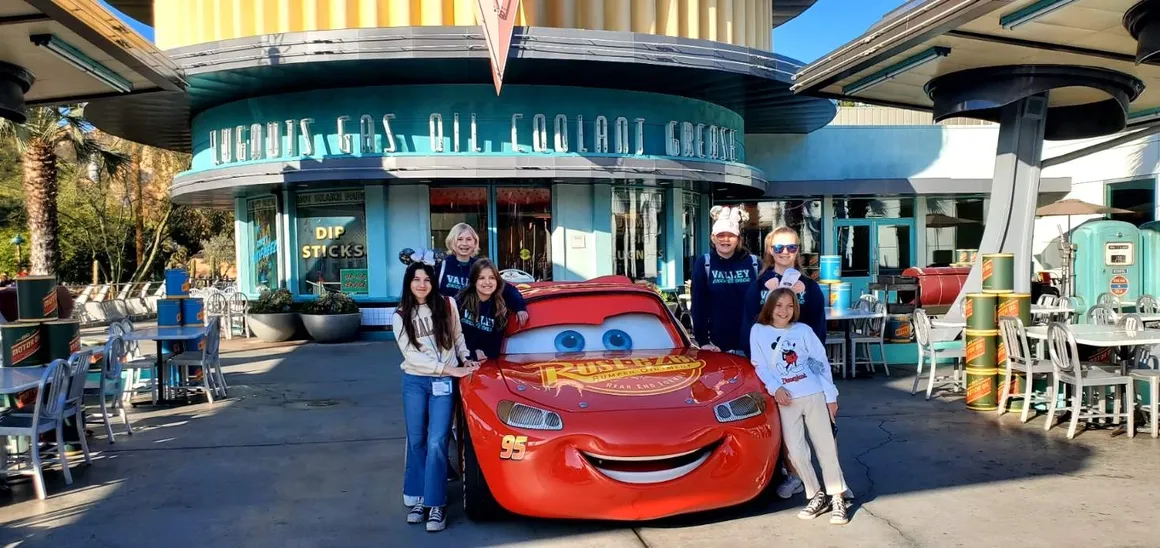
(600,381)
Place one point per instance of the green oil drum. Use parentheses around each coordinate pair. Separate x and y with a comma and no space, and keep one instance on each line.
(22,344)
(981,393)
(1018,382)
(1017,305)
(979,309)
(36,299)
(998,273)
(982,348)
(966,256)
(61,339)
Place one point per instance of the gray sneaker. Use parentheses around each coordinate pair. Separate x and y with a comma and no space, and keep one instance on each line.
(437,521)
(790,487)
(417,514)
(840,511)
(817,506)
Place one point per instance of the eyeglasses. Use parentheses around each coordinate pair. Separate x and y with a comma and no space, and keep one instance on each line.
(781,248)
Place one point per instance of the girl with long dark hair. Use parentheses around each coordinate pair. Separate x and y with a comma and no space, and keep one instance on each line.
(426,326)
(483,310)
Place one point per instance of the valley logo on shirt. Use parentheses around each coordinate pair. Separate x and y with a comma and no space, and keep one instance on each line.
(482,324)
(739,276)
(455,282)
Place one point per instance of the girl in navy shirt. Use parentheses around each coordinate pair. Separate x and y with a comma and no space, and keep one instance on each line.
(483,310)
(782,249)
(720,280)
(455,271)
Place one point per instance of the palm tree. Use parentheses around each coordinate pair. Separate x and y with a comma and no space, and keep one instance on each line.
(49,134)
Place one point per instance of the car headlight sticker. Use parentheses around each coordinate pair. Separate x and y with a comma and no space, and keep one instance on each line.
(519,415)
(747,406)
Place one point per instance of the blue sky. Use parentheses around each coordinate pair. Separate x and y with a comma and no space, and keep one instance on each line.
(828,25)
(821,29)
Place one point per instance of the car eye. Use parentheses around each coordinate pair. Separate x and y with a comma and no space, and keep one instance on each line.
(569,341)
(615,339)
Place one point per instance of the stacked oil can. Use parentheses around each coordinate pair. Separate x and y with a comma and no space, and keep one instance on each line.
(985,352)
(178,309)
(39,335)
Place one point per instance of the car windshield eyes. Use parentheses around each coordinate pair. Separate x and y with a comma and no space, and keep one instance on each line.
(615,339)
(569,341)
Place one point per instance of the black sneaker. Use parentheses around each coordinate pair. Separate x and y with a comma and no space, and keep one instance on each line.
(840,510)
(417,514)
(437,521)
(817,506)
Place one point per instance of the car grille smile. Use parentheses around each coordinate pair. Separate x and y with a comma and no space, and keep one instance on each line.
(654,469)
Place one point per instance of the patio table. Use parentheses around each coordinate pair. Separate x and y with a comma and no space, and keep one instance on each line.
(14,380)
(847,317)
(160,335)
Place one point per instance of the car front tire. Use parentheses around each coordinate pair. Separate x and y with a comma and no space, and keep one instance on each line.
(478,502)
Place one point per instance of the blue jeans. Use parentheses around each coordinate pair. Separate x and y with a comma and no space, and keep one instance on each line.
(428,419)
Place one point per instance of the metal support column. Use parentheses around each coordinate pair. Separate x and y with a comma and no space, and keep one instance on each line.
(1011,215)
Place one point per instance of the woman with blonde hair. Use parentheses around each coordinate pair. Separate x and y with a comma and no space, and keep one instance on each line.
(455,270)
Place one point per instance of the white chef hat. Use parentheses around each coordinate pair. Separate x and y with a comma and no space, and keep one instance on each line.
(728,219)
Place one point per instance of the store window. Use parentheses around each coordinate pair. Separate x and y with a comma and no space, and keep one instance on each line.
(332,241)
(690,239)
(952,224)
(873,208)
(263,215)
(453,205)
(1137,196)
(638,220)
(804,216)
(523,221)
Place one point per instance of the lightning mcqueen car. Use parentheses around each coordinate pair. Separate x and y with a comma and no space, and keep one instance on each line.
(600,408)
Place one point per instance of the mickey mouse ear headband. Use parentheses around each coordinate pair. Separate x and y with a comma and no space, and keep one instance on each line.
(428,257)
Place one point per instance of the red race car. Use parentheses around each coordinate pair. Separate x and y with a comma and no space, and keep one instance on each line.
(600,408)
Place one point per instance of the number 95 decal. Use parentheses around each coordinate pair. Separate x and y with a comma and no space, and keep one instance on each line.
(513,447)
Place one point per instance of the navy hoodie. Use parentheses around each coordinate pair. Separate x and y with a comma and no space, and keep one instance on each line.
(811,302)
(454,274)
(718,299)
(481,333)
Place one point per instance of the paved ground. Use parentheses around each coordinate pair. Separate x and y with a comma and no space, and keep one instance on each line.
(262,469)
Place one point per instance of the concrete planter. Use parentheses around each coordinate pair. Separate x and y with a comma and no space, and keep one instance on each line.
(275,327)
(328,328)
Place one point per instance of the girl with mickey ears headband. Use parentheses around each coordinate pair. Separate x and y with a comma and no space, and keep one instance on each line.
(720,280)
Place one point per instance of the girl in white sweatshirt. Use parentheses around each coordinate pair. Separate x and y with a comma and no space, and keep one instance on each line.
(426,326)
(792,363)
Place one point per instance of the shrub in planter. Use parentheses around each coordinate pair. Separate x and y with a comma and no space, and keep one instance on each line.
(272,317)
(332,317)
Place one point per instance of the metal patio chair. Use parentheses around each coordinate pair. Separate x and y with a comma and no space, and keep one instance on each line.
(1019,359)
(1067,369)
(46,417)
(111,384)
(1102,315)
(926,347)
(871,332)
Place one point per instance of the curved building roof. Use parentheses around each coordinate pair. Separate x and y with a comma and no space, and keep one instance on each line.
(753,83)
(783,10)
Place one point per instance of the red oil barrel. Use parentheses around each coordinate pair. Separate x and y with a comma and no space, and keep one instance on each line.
(938,286)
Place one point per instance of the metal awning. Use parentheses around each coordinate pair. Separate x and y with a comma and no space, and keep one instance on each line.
(76,50)
(894,60)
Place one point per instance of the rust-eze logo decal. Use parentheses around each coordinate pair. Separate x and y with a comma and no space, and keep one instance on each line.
(49,303)
(623,377)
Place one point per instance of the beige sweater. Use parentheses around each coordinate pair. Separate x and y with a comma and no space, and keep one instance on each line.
(424,358)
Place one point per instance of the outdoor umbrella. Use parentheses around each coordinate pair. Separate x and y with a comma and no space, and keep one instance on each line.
(938,220)
(1072,206)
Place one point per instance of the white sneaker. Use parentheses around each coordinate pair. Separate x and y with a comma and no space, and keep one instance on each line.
(409,501)
(791,486)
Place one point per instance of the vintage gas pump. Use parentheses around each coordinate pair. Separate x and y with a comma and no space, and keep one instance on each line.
(1107,261)
(1150,257)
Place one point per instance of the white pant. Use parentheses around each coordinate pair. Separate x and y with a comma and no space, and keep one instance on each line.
(811,412)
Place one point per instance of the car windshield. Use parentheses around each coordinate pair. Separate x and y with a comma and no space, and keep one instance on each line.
(619,333)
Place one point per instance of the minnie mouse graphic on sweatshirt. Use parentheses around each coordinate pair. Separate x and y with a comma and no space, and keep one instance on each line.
(792,358)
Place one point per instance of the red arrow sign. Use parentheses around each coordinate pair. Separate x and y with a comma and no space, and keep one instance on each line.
(498,18)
